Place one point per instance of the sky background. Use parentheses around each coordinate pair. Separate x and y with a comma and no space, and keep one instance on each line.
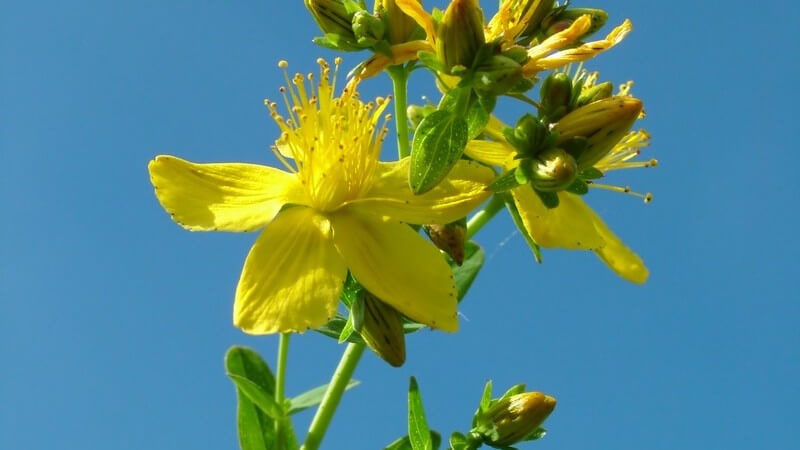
(114,320)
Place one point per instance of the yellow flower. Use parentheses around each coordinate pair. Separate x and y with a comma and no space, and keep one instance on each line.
(336,209)
(573,224)
(506,26)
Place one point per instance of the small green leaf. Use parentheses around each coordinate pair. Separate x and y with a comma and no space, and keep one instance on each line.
(439,142)
(258,396)
(514,390)
(256,430)
(514,212)
(313,397)
(357,312)
(334,329)
(350,290)
(458,441)
(536,434)
(504,182)
(405,444)
(550,199)
(465,274)
(487,396)
(478,111)
(418,433)
(348,330)
(430,61)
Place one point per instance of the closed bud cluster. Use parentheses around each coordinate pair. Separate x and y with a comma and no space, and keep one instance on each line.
(595,93)
(602,123)
(399,25)
(332,17)
(367,28)
(382,330)
(529,135)
(460,34)
(517,416)
(553,170)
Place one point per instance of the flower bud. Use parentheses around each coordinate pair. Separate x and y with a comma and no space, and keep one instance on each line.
(537,9)
(382,330)
(367,28)
(332,17)
(553,170)
(555,95)
(399,25)
(450,238)
(603,123)
(498,75)
(527,136)
(595,93)
(517,416)
(460,34)
(565,18)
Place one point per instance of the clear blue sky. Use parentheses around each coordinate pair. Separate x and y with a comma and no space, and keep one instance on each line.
(114,321)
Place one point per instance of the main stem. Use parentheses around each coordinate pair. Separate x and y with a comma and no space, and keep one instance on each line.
(344,371)
(280,378)
(399,77)
(483,216)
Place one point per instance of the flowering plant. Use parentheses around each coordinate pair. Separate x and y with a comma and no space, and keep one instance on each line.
(340,227)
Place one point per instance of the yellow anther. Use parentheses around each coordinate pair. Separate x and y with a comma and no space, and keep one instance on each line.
(283,64)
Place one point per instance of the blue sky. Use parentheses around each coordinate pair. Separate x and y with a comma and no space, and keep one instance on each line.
(114,321)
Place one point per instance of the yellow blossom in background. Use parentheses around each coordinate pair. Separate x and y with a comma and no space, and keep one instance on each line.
(335,208)
(573,224)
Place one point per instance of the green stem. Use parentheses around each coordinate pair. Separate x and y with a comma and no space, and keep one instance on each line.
(483,216)
(344,371)
(280,378)
(399,77)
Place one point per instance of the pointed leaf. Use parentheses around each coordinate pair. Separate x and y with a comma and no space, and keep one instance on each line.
(313,397)
(256,430)
(439,142)
(334,329)
(258,396)
(418,433)
(512,210)
(465,274)
(405,444)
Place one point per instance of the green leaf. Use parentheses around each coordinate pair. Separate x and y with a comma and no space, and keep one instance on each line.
(313,397)
(536,434)
(578,187)
(287,436)
(514,390)
(487,396)
(357,313)
(514,212)
(348,330)
(257,395)
(418,433)
(465,274)
(439,142)
(430,61)
(334,329)
(350,290)
(405,444)
(458,441)
(256,430)
(479,109)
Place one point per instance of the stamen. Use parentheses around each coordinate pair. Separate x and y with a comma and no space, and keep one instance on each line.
(647,197)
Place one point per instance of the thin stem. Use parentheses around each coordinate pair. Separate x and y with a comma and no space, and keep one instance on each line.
(399,77)
(344,371)
(483,216)
(280,379)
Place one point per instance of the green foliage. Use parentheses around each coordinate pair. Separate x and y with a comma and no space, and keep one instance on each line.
(439,142)
(418,433)
(466,273)
(313,397)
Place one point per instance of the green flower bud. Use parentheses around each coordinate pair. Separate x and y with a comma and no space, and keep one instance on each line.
(553,170)
(367,28)
(517,416)
(332,17)
(595,93)
(497,75)
(460,34)
(399,25)
(382,330)
(555,94)
(450,238)
(528,135)
(562,20)
(603,123)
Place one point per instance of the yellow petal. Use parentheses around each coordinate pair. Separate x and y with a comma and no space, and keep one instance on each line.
(585,51)
(413,9)
(401,53)
(390,197)
(292,278)
(492,153)
(619,257)
(571,225)
(222,196)
(399,266)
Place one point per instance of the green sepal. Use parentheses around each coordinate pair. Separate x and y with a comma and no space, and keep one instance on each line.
(550,199)
(465,274)
(535,434)
(438,144)
(513,390)
(590,173)
(357,311)
(352,7)
(418,432)
(458,441)
(578,186)
(348,330)
(430,61)
(486,398)
(575,146)
(504,182)
(335,41)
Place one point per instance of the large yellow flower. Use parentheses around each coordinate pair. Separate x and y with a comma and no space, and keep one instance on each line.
(506,26)
(337,208)
(573,224)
